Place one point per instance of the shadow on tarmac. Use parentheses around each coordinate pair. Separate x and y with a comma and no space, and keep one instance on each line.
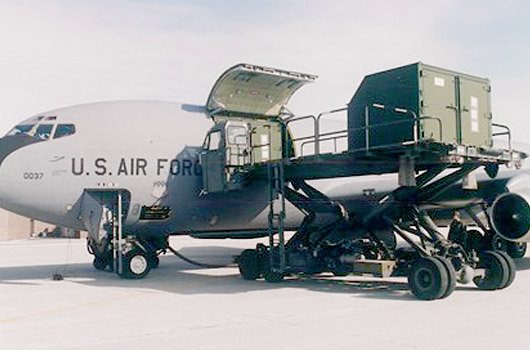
(522,264)
(177,276)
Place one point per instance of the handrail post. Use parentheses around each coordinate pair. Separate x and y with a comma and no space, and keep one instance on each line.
(317,135)
(293,119)
(508,133)
(120,233)
(416,127)
(367,127)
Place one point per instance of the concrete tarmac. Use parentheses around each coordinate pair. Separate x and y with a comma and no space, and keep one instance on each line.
(180,306)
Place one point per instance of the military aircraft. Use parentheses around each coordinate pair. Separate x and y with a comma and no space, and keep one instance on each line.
(131,173)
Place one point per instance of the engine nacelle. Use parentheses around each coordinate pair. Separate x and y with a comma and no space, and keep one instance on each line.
(510,216)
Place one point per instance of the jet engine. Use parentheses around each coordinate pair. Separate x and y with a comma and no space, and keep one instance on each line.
(510,216)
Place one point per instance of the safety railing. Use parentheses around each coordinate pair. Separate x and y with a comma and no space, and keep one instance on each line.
(317,137)
(237,155)
(507,132)
(333,136)
(293,119)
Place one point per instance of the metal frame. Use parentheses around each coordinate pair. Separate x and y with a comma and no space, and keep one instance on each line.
(458,150)
(118,241)
(394,207)
(507,133)
(276,186)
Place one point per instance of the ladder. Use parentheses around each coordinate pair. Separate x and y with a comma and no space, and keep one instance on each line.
(117,236)
(276,185)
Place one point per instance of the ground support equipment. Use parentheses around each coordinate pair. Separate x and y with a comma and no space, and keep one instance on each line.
(332,240)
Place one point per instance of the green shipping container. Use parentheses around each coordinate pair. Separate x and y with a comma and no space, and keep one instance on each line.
(423,103)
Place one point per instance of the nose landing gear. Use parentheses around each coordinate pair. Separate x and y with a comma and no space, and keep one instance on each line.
(135,264)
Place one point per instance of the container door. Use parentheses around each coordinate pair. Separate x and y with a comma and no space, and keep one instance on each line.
(439,101)
(475,112)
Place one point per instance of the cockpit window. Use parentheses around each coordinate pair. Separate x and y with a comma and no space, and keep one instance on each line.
(20,129)
(44,131)
(64,130)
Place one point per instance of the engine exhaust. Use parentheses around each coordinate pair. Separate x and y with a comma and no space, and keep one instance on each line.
(510,216)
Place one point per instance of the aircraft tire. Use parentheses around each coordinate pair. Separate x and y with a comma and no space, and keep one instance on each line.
(100,263)
(135,265)
(497,271)
(451,276)
(511,268)
(516,250)
(249,266)
(428,278)
(497,243)
(154,260)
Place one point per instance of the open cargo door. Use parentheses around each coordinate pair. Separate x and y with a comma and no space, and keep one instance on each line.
(249,89)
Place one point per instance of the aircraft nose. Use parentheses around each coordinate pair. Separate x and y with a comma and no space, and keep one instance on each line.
(8,145)
(3,154)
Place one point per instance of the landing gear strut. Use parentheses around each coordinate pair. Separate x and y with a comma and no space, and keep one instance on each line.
(137,257)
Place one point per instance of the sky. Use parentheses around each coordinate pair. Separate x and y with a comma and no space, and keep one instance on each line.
(55,53)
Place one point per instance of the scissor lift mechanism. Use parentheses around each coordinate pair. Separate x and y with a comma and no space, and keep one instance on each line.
(432,263)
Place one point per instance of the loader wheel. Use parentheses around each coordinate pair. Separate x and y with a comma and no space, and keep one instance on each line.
(511,268)
(428,278)
(496,273)
(249,266)
(451,276)
(273,276)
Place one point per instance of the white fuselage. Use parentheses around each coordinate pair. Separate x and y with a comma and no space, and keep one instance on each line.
(147,148)
(150,150)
